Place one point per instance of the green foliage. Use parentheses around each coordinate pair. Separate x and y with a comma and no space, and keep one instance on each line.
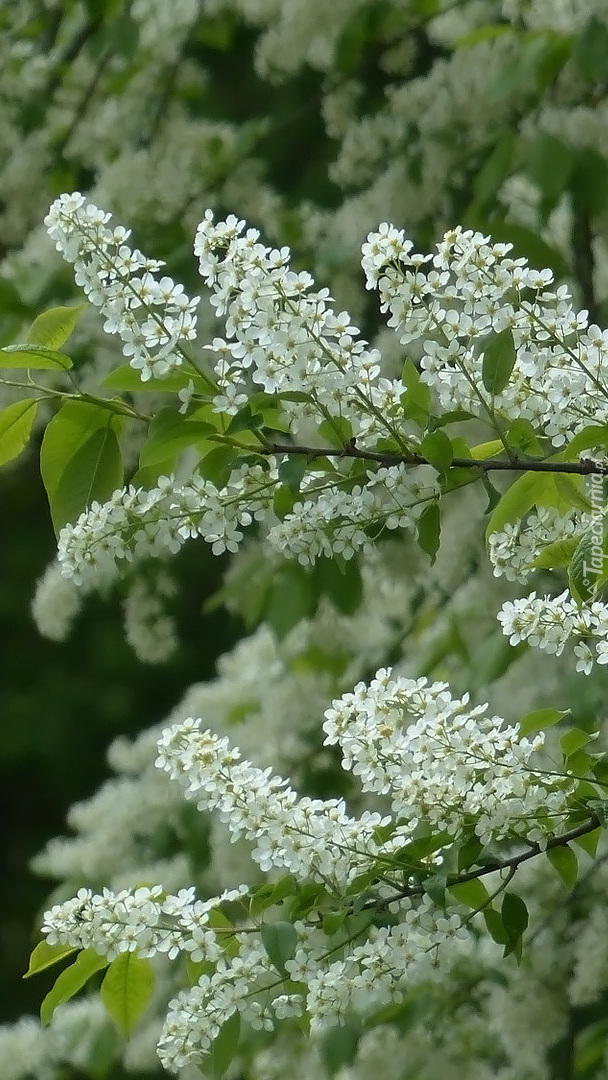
(225,1045)
(37,357)
(280,940)
(45,956)
(170,433)
(540,720)
(564,861)
(498,361)
(70,981)
(52,329)
(588,568)
(126,990)
(16,423)
(91,474)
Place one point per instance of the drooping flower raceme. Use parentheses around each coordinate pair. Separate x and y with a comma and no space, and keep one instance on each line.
(473,290)
(283,336)
(440,762)
(136,524)
(153,317)
(513,550)
(550,622)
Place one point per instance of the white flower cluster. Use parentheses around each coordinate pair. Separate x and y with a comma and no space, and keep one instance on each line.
(142,920)
(307,837)
(473,290)
(56,603)
(441,760)
(512,550)
(285,338)
(149,630)
(335,522)
(549,622)
(136,524)
(153,318)
(246,982)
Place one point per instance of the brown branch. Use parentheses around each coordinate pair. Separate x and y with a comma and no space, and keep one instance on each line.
(515,464)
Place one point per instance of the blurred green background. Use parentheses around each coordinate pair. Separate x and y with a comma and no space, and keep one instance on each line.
(62,704)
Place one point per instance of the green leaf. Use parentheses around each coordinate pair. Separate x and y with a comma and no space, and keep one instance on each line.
(557,554)
(514,914)
(15,428)
(65,434)
(92,474)
(532,64)
(338,1047)
(53,328)
(338,431)
(342,583)
(495,169)
(540,720)
(71,981)
(283,501)
(435,887)
(45,956)
(126,989)
(468,852)
(589,841)
(438,451)
(31,356)
(171,432)
(549,165)
(333,921)
(429,530)
(225,1045)
(589,437)
(486,450)
(564,860)
(417,399)
(498,361)
(588,568)
(495,926)
(574,740)
(589,183)
(472,893)
(291,470)
(217,464)
(590,53)
(128,380)
(522,436)
(280,940)
(290,598)
(531,489)
(571,490)
(196,968)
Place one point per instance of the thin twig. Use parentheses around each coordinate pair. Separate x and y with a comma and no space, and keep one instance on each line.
(517,464)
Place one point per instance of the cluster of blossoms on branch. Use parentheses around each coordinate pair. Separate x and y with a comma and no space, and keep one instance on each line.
(473,289)
(153,317)
(549,623)
(404,738)
(430,767)
(284,337)
(512,550)
(136,524)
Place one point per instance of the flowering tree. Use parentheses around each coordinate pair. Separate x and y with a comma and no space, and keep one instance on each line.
(431,876)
